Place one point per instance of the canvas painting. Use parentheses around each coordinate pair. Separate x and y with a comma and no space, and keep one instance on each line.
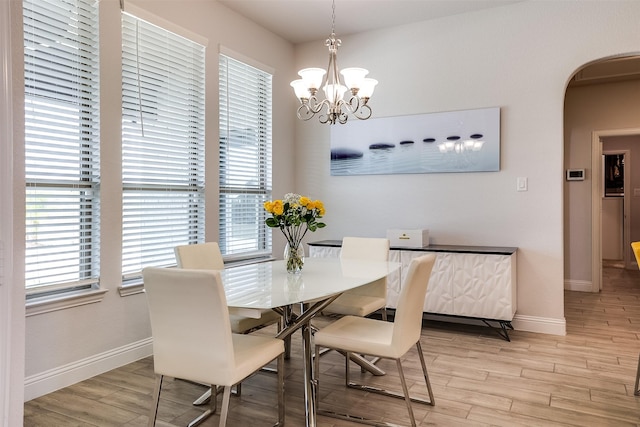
(455,141)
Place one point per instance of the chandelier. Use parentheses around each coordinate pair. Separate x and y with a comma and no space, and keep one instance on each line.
(334,108)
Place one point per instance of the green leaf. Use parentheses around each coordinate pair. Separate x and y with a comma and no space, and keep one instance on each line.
(272,222)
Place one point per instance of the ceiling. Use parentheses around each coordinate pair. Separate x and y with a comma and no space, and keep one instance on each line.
(301,21)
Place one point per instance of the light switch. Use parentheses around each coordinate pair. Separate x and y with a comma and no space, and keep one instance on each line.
(521,184)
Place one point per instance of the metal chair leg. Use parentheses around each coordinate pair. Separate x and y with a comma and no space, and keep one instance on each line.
(404,395)
(204,399)
(405,391)
(636,388)
(432,401)
(281,408)
(156,400)
(225,406)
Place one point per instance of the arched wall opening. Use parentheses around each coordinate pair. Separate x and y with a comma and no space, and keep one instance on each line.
(602,102)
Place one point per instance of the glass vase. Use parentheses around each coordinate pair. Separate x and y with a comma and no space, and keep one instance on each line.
(294,258)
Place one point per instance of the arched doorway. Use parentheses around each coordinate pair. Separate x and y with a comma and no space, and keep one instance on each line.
(601,101)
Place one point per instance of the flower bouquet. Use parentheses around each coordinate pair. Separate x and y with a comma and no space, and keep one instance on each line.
(294,216)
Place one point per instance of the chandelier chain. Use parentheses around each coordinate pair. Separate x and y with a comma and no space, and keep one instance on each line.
(333,18)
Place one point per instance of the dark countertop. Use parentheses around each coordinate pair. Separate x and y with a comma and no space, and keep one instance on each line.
(461,249)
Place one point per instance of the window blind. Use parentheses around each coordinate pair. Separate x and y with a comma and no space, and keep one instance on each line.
(245,159)
(163,87)
(61,144)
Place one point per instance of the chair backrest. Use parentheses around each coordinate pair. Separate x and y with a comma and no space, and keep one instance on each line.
(367,248)
(200,256)
(189,323)
(408,317)
(636,250)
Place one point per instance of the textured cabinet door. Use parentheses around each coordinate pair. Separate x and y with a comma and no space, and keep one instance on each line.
(440,292)
(394,281)
(483,286)
(324,251)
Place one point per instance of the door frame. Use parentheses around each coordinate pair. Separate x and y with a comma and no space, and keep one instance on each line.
(596,202)
(626,204)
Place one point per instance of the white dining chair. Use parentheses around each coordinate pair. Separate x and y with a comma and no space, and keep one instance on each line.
(192,337)
(207,256)
(367,299)
(390,340)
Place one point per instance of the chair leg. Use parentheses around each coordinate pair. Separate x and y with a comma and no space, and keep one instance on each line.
(225,406)
(405,391)
(204,398)
(347,358)
(405,395)
(432,401)
(281,408)
(156,400)
(636,388)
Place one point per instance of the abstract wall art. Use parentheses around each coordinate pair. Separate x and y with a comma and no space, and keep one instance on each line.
(455,141)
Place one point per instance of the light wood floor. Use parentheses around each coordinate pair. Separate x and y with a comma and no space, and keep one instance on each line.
(585,378)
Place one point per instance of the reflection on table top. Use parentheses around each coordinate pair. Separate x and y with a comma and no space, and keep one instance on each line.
(267,285)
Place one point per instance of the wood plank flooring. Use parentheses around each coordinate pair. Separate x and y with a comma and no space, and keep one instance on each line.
(585,378)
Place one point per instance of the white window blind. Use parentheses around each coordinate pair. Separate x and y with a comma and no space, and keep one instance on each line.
(163,87)
(61,144)
(245,159)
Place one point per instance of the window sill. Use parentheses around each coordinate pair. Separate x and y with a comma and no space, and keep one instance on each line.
(132,289)
(48,304)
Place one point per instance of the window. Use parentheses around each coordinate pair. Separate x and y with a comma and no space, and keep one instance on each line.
(162,144)
(61,145)
(245,159)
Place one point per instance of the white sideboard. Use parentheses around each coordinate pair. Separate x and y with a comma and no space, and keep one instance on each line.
(467,281)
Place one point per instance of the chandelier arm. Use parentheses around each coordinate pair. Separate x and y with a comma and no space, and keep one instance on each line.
(363,113)
(315,106)
(324,118)
(304,112)
(352,106)
(310,107)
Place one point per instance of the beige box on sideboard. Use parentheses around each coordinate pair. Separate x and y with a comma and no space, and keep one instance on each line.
(408,238)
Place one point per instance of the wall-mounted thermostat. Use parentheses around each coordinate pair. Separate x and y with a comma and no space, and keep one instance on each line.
(575,174)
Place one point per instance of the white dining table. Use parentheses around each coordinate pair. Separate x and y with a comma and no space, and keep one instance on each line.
(253,287)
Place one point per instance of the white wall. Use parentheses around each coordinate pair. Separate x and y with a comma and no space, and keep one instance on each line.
(69,345)
(519,58)
(605,107)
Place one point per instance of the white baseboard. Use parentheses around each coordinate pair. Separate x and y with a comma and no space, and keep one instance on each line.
(577,285)
(541,325)
(63,376)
